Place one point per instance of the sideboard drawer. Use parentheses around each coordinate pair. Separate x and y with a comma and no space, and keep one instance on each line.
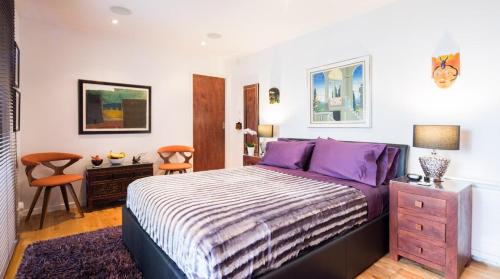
(102,177)
(108,188)
(422,204)
(422,226)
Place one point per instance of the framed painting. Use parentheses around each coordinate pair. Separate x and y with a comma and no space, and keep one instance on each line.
(113,108)
(340,94)
(16,110)
(17,70)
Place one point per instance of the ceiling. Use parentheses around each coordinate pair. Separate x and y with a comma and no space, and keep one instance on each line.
(246,25)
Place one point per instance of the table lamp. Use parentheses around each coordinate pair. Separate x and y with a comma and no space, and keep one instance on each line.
(443,137)
(264,131)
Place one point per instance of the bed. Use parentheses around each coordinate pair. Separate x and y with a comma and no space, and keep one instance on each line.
(259,221)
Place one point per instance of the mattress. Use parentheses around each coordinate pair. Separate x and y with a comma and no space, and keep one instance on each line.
(242,222)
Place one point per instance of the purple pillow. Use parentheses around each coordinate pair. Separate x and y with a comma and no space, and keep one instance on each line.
(382,166)
(392,170)
(347,160)
(287,154)
(307,153)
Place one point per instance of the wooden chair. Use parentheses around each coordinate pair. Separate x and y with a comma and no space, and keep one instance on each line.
(57,179)
(167,152)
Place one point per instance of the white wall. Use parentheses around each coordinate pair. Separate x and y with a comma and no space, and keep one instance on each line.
(55,57)
(401,39)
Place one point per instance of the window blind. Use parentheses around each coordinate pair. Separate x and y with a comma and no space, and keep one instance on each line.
(7,136)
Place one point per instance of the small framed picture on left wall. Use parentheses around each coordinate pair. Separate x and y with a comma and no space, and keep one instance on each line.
(16,110)
(17,63)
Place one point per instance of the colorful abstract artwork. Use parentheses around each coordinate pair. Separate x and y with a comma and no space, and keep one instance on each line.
(106,107)
(340,94)
(445,69)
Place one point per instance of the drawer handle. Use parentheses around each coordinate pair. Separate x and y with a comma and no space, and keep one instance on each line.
(420,250)
(418,227)
(419,204)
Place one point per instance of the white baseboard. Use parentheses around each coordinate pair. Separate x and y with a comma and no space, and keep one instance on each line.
(38,210)
(486,258)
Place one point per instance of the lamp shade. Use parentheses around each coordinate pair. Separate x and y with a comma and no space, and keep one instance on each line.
(444,137)
(265,131)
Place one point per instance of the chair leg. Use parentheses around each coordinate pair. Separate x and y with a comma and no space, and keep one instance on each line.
(65,196)
(75,198)
(46,197)
(33,203)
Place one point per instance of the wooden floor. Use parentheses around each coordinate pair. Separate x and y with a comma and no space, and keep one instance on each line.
(61,223)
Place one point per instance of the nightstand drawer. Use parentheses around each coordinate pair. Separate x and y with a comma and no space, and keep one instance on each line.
(250,160)
(422,204)
(422,249)
(422,226)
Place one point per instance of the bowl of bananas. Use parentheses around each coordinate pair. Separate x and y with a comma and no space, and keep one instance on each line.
(116,158)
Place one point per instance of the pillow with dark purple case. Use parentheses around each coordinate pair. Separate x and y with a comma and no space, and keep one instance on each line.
(287,154)
(307,153)
(348,160)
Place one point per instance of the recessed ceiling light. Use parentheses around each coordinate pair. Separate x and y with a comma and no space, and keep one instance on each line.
(119,10)
(203,43)
(114,21)
(214,36)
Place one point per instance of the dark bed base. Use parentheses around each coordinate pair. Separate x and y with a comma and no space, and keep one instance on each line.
(343,257)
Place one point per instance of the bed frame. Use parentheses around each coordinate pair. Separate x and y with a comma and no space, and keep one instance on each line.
(342,257)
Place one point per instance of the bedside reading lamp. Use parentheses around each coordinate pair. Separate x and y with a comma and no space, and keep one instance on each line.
(264,131)
(443,137)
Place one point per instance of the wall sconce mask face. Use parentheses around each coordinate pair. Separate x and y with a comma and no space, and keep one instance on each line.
(445,69)
(274,96)
(238,126)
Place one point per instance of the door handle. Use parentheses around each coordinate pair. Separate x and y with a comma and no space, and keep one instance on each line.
(223,125)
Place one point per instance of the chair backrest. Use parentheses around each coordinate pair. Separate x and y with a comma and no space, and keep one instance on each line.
(39,158)
(175,148)
(46,159)
(167,152)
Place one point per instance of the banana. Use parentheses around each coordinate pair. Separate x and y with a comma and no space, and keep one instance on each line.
(115,155)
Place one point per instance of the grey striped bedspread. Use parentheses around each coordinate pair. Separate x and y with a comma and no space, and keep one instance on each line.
(241,222)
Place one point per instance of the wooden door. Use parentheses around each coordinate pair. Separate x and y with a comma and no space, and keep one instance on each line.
(251,107)
(208,122)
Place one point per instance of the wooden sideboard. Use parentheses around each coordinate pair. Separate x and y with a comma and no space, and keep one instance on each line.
(108,183)
(432,224)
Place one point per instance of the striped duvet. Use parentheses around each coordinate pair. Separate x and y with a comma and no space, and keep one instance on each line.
(242,222)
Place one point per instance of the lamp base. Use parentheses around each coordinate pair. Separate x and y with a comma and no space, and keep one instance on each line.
(434,166)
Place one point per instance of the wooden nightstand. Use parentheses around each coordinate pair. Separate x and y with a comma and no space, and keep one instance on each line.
(432,224)
(250,160)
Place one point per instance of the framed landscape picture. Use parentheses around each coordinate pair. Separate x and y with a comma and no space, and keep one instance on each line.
(113,108)
(340,94)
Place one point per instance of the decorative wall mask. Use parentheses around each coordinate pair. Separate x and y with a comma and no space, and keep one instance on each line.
(274,96)
(445,69)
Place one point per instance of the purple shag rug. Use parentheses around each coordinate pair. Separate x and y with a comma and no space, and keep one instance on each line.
(98,254)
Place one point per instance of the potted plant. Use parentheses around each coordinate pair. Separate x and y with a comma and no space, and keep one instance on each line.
(250,145)
(250,148)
